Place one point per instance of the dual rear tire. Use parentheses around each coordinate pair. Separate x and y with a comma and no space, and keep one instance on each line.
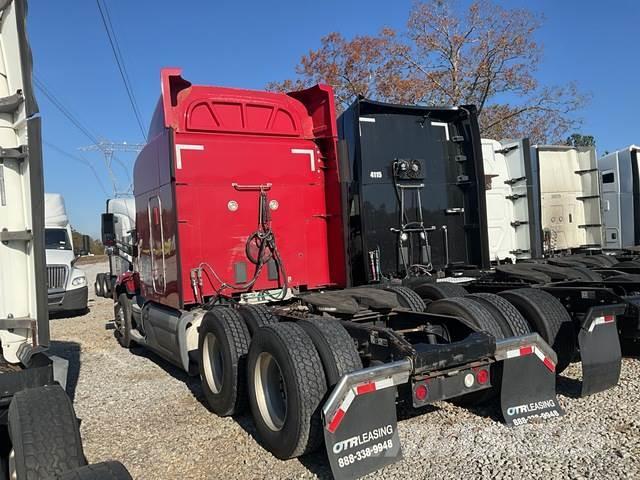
(512,313)
(282,370)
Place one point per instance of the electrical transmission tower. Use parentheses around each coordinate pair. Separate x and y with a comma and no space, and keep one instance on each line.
(109,149)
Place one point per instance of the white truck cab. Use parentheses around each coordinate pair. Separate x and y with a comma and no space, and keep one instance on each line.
(66,285)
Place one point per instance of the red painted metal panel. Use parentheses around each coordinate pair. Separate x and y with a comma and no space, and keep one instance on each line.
(223,141)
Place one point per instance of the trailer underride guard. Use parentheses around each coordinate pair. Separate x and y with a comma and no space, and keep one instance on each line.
(302,282)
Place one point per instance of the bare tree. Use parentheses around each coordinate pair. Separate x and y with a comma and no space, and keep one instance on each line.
(485,55)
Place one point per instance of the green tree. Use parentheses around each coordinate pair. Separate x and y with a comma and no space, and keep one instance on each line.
(579,140)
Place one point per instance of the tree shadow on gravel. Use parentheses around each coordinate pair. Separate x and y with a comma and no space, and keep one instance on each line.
(192,382)
(68,314)
(71,352)
(317,463)
(487,409)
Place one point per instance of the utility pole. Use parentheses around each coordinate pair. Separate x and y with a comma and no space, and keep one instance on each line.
(108,149)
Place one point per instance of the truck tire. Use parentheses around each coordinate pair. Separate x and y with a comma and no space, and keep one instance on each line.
(287,385)
(98,471)
(440,290)
(407,298)
(335,347)
(222,349)
(123,317)
(256,316)
(99,285)
(44,433)
(106,284)
(511,321)
(475,313)
(546,316)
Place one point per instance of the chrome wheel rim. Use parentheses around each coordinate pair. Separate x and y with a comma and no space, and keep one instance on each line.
(13,474)
(120,319)
(213,362)
(271,393)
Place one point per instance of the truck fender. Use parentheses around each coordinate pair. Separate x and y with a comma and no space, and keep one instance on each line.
(128,282)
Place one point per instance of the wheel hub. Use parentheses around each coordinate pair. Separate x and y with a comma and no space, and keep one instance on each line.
(271,392)
(13,474)
(213,363)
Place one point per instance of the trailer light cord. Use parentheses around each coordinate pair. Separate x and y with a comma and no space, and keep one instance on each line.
(265,241)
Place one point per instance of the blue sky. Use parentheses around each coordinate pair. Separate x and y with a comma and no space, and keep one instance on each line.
(247,44)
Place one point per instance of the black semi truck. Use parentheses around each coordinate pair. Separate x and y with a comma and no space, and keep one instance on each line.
(414,184)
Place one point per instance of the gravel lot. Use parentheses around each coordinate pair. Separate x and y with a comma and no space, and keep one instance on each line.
(142,411)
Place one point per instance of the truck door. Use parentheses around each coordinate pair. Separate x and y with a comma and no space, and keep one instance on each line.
(610,209)
(156,244)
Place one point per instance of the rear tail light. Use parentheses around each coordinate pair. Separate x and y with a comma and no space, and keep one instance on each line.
(482,376)
(421,392)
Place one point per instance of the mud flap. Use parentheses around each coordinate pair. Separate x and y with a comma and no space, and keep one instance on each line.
(360,422)
(600,351)
(528,388)
(364,441)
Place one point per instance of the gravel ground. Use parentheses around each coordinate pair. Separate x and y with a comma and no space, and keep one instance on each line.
(142,411)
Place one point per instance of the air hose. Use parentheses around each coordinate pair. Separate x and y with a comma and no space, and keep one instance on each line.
(260,248)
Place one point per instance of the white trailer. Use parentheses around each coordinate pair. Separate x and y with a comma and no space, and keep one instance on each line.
(513,200)
(39,431)
(620,186)
(66,284)
(570,197)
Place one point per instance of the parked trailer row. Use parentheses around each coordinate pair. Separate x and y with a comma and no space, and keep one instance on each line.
(555,200)
(296,273)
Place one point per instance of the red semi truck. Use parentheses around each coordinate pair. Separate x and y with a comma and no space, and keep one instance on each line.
(241,275)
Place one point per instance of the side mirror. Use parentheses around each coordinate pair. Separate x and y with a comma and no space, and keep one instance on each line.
(85,249)
(108,230)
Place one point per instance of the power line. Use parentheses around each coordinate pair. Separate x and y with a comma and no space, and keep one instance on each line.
(100,144)
(82,160)
(60,106)
(111,34)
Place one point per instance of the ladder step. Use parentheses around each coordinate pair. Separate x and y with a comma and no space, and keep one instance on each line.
(12,154)
(588,170)
(19,236)
(515,196)
(511,181)
(11,103)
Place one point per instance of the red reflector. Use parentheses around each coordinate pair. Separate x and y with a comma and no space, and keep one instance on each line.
(421,392)
(335,421)
(482,376)
(549,364)
(526,350)
(609,318)
(366,388)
